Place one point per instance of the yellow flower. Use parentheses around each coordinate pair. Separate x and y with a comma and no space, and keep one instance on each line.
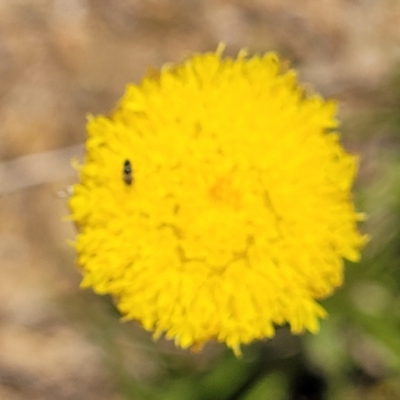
(215,202)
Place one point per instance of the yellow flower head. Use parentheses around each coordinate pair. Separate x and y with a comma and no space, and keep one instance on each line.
(215,203)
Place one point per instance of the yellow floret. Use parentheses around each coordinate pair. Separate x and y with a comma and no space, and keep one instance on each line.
(239,214)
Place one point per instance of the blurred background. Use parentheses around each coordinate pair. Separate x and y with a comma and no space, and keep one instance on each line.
(63,59)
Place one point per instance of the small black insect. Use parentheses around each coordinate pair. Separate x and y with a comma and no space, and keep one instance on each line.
(127,173)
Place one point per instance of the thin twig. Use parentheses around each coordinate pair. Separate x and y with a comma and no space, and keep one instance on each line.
(37,169)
